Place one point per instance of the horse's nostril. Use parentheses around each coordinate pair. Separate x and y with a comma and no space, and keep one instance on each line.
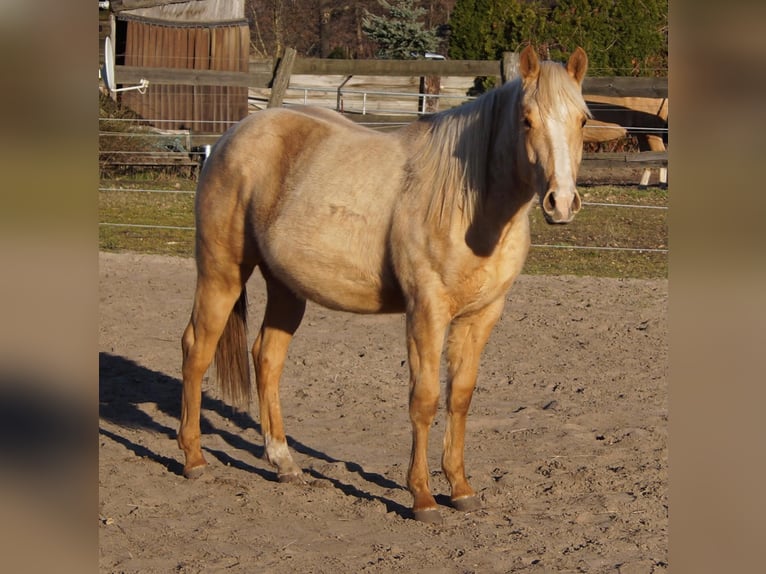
(549,202)
(576,203)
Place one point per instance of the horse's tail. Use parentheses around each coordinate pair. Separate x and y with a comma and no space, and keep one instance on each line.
(231,356)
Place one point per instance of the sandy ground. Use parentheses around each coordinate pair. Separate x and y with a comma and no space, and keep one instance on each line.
(567,439)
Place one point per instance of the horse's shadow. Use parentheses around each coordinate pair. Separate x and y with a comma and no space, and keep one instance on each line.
(124,385)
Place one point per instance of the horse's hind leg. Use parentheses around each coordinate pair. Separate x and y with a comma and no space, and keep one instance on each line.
(467,337)
(283,314)
(214,298)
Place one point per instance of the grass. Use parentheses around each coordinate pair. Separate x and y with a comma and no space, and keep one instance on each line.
(594,226)
(124,209)
(614,228)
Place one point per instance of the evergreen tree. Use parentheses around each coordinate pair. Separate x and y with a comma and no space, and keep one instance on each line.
(621,37)
(484,29)
(400,34)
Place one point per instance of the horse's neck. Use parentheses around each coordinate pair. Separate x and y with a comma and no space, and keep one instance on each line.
(473,183)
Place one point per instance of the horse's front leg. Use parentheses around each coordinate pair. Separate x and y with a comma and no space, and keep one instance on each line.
(425,337)
(467,337)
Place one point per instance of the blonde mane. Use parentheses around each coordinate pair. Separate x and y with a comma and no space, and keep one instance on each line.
(452,154)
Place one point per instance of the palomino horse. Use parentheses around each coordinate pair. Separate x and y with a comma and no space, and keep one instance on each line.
(431,220)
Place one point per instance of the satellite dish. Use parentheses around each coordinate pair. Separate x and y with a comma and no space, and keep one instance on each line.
(107,72)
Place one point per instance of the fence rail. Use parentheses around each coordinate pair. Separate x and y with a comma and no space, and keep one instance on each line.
(260,76)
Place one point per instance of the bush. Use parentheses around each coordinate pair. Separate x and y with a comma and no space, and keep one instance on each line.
(621,37)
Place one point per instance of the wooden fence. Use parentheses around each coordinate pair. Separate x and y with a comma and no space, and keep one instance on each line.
(275,77)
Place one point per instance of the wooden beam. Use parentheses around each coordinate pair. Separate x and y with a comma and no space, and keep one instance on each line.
(318,66)
(607,86)
(120,5)
(642,159)
(176,76)
(625,86)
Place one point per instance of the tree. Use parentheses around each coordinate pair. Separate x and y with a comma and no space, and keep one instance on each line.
(621,37)
(484,29)
(400,34)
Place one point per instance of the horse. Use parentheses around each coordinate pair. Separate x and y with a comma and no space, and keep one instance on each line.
(646,118)
(431,220)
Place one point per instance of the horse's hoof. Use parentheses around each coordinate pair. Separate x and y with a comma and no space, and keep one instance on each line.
(292,478)
(467,503)
(194,472)
(428,515)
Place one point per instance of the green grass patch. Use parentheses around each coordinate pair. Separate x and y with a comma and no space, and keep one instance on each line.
(123,214)
(596,263)
(618,229)
(141,240)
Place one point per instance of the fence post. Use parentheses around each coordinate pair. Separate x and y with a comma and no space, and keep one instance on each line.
(282,78)
(510,66)
(429,85)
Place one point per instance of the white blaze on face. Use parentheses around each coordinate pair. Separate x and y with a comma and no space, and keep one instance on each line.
(561,201)
(561,157)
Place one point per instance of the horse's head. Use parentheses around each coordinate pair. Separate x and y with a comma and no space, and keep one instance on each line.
(553,113)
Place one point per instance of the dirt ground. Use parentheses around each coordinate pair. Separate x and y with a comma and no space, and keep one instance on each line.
(567,439)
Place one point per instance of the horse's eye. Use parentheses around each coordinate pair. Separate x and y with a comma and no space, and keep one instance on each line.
(527,123)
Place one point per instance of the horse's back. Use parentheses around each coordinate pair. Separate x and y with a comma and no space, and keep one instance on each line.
(317,193)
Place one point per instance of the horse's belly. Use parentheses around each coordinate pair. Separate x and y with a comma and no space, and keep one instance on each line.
(339,286)
(343,267)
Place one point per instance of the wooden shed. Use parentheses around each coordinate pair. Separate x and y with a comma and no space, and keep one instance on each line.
(194,34)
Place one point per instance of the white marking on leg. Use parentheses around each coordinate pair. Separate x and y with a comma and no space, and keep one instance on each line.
(278,455)
(645,177)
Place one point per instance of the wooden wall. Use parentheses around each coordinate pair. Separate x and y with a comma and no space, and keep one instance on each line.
(199,108)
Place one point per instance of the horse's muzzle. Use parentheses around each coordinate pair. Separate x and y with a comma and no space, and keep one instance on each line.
(561,207)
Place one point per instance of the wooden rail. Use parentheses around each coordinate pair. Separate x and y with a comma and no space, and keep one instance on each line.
(151,160)
(645,158)
(260,76)
(180,76)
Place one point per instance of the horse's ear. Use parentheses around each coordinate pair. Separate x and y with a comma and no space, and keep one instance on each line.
(577,65)
(529,64)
